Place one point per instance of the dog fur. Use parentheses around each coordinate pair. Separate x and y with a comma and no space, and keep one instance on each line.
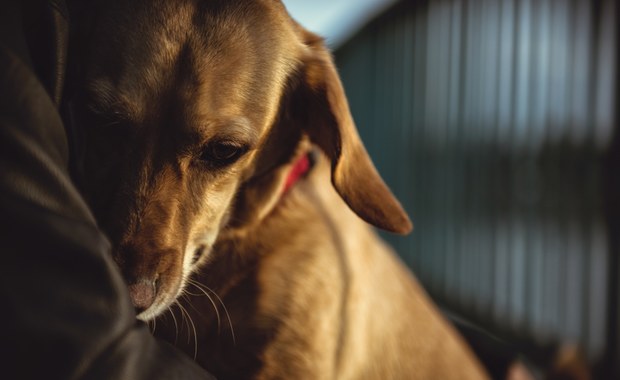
(194,112)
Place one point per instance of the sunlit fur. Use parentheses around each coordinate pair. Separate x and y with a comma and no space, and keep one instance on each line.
(158,88)
(289,285)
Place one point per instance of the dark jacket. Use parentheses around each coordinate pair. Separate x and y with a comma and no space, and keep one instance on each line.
(65,312)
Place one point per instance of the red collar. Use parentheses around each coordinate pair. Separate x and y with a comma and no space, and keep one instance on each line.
(299,170)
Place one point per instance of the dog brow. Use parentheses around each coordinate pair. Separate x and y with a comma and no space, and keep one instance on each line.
(238,129)
(104,99)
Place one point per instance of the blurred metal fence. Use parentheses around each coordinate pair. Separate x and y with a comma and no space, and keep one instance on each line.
(492,121)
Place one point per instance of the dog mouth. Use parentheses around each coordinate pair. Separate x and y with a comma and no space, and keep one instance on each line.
(151,298)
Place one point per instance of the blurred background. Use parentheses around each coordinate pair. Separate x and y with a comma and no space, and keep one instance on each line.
(495,124)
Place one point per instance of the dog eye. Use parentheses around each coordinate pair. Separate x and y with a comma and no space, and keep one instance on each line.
(222,153)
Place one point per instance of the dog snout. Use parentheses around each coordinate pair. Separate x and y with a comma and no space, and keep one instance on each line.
(142,294)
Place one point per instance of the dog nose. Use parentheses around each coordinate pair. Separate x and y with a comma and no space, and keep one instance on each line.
(142,294)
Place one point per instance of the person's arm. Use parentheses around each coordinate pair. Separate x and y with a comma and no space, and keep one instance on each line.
(65,311)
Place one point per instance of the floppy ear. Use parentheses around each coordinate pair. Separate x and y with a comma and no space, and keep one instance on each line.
(320,100)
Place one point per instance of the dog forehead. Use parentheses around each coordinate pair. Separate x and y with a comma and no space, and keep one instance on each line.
(216,57)
(238,59)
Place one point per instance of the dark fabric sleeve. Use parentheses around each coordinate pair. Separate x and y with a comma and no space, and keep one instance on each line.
(65,312)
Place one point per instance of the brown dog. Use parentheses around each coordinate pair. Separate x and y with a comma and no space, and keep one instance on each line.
(203,119)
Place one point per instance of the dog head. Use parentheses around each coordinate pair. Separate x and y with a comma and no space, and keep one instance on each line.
(190,110)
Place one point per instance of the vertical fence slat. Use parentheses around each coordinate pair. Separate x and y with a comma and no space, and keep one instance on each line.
(502,111)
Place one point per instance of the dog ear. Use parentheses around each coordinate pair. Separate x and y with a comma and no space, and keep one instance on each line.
(320,101)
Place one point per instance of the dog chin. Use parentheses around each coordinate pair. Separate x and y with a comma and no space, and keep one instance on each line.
(155,310)
(148,315)
(205,242)
(160,307)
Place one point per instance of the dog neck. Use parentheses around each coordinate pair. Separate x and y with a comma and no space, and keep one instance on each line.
(259,197)
(299,170)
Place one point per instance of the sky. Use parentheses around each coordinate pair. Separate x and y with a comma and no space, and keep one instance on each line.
(336,20)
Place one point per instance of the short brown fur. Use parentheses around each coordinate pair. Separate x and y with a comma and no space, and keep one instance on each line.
(309,290)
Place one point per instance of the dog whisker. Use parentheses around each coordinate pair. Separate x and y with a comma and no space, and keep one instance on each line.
(192,294)
(205,289)
(176,326)
(232,330)
(151,325)
(183,318)
(198,286)
(191,324)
